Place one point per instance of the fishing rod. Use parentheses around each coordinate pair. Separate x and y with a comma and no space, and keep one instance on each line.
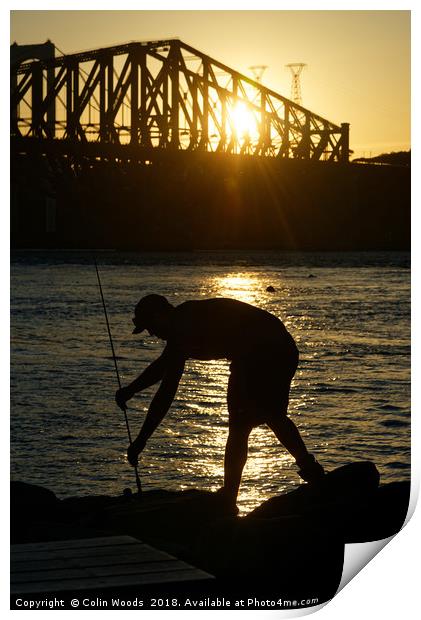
(138,484)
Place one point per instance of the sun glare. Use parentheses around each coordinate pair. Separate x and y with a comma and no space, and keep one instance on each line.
(244,122)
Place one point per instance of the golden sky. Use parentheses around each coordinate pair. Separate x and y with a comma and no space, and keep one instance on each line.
(358,61)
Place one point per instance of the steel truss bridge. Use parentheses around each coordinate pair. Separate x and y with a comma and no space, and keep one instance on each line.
(162,95)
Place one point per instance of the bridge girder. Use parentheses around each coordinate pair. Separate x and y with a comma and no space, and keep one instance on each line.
(167,95)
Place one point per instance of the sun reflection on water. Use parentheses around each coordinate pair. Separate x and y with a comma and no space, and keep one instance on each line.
(242,286)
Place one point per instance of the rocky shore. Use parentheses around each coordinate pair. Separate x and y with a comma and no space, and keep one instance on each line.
(294,540)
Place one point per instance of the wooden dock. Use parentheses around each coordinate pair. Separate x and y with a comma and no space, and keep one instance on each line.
(97,564)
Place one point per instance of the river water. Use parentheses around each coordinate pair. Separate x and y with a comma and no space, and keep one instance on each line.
(349,314)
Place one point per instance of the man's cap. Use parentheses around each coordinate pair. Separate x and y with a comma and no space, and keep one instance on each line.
(146,308)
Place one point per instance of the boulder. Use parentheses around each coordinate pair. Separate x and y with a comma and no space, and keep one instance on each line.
(352,482)
(32,499)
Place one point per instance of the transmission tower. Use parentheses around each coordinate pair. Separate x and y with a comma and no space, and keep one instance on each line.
(258,71)
(296,69)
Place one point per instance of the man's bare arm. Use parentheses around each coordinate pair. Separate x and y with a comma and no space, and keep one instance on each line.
(151,375)
(159,407)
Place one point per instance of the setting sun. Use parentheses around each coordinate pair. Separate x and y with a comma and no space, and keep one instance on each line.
(244,121)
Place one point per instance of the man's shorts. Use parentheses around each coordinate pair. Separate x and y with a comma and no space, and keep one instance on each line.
(260,381)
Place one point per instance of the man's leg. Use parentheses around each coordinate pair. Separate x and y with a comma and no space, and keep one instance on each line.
(235,459)
(288,434)
(239,429)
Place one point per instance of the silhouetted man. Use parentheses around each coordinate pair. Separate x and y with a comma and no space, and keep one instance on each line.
(263,358)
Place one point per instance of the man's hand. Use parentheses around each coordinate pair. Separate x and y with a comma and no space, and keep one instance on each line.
(134,450)
(122,396)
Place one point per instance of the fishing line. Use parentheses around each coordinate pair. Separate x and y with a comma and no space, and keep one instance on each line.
(138,484)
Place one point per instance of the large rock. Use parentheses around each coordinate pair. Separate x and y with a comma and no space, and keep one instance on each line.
(380,516)
(32,500)
(348,503)
(354,482)
(36,515)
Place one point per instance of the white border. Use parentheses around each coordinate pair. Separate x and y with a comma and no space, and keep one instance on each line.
(388,586)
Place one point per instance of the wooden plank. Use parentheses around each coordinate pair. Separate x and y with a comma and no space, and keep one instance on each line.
(100,571)
(149,579)
(37,565)
(85,553)
(52,575)
(84,543)
(113,562)
(140,569)
(146,556)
